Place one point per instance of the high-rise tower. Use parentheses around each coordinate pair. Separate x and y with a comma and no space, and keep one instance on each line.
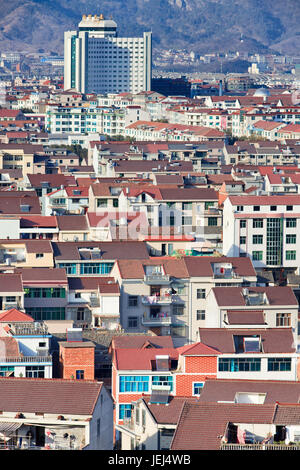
(97,60)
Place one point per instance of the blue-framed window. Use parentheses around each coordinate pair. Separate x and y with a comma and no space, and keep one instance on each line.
(69,267)
(163,380)
(134,383)
(280,364)
(125,411)
(246,364)
(197,387)
(96,268)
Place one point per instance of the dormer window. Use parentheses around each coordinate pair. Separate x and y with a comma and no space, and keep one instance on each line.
(252,344)
(25,208)
(247,344)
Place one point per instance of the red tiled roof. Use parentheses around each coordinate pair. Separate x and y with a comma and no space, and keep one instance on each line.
(273,340)
(55,396)
(38,221)
(14,315)
(197,349)
(137,359)
(201,426)
(276,390)
(141,341)
(265,200)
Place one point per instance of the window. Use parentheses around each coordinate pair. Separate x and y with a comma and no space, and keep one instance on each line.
(178,310)
(283,319)
(35,372)
(69,267)
(201,293)
(45,292)
(96,268)
(258,223)
(137,415)
(239,365)
(212,221)
(143,418)
(163,380)
(257,239)
(79,374)
(208,205)
(132,301)
(115,203)
(242,223)
(200,314)
(291,223)
(132,322)
(290,255)
(179,331)
(242,240)
(290,238)
(39,255)
(5,369)
(273,208)
(289,208)
(187,220)
(280,364)
(256,208)
(124,411)
(46,313)
(197,387)
(187,206)
(101,202)
(240,208)
(133,383)
(257,255)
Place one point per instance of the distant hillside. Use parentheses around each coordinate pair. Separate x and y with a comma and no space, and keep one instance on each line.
(199,25)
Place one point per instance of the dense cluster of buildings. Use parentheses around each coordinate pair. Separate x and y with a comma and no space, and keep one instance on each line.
(149,258)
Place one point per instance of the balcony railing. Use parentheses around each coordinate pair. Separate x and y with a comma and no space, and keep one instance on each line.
(27,359)
(161,299)
(9,305)
(28,330)
(227,274)
(94,302)
(155,299)
(258,447)
(157,278)
(128,423)
(158,320)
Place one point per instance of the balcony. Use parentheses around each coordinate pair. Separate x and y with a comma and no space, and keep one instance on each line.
(161,319)
(227,274)
(156,300)
(9,305)
(161,300)
(157,279)
(128,422)
(94,302)
(212,211)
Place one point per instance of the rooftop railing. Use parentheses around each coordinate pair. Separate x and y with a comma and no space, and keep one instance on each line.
(27,359)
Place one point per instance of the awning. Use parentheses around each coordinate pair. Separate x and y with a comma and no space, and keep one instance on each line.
(7,428)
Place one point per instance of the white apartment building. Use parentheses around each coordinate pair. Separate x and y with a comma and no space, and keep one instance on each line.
(252,307)
(266,228)
(169,296)
(98,61)
(253,354)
